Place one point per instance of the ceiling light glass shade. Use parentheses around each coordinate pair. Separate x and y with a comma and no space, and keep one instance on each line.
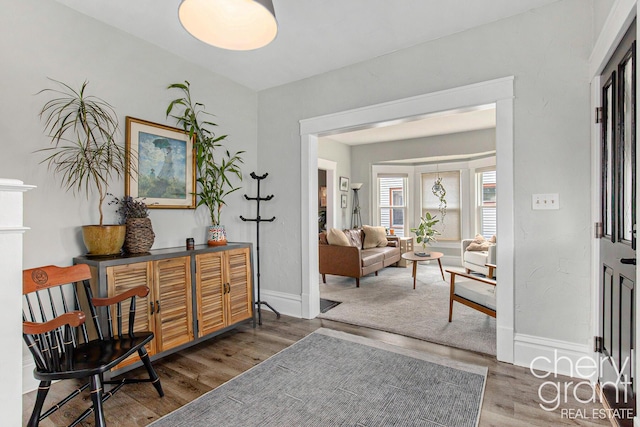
(230,24)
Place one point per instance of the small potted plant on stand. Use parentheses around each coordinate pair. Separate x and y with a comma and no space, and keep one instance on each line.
(214,170)
(134,213)
(86,155)
(425,233)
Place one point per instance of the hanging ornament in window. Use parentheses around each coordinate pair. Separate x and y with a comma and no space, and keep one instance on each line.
(439,191)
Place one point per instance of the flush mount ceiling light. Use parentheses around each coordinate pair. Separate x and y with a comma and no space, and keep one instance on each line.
(230,24)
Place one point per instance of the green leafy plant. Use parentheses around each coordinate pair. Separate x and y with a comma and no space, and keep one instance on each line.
(213,170)
(82,129)
(425,233)
(128,207)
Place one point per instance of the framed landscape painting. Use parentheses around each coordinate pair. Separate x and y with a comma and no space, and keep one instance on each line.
(162,166)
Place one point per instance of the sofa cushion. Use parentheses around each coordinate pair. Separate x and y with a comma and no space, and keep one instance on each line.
(478,292)
(370,257)
(387,251)
(337,237)
(374,237)
(476,257)
(354,236)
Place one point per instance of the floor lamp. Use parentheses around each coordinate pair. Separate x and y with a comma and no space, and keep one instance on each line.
(356,219)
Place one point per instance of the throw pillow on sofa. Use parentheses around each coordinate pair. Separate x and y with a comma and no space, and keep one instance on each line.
(354,236)
(480,243)
(374,237)
(337,237)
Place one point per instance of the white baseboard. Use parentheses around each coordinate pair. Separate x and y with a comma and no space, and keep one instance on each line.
(554,356)
(287,304)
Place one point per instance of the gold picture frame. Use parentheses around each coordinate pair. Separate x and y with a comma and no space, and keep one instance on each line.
(160,165)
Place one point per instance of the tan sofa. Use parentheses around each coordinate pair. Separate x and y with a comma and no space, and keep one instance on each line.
(354,261)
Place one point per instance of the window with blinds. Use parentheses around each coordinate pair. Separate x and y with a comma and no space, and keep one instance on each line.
(449,226)
(486,197)
(392,203)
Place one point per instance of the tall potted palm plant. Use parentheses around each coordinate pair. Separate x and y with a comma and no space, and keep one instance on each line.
(213,169)
(85,154)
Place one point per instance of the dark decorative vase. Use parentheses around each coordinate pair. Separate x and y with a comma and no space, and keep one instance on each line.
(139,237)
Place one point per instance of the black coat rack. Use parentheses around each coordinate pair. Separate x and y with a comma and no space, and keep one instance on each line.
(258,220)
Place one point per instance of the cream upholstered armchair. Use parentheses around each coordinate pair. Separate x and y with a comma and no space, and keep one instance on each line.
(473,291)
(477,260)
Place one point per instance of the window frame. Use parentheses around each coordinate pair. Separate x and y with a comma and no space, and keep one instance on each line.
(479,197)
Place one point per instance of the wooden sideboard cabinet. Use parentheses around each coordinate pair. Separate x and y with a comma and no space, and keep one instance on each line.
(223,289)
(193,295)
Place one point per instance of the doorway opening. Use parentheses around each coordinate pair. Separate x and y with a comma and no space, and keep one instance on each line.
(396,166)
(500,92)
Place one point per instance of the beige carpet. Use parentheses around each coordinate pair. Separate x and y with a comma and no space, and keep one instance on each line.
(389,303)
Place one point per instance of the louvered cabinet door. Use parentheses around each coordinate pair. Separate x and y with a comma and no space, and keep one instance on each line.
(210,292)
(172,306)
(121,278)
(239,298)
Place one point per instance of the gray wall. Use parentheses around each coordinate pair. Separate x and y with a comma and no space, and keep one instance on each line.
(547,51)
(45,39)
(363,156)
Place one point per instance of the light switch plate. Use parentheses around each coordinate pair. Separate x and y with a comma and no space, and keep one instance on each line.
(545,201)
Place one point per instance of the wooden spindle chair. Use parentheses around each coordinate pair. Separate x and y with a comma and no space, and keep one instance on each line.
(57,336)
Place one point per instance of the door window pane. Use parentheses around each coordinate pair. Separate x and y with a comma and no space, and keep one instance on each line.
(628,154)
(607,166)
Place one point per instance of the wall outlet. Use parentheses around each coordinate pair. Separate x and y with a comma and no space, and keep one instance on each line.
(545,201)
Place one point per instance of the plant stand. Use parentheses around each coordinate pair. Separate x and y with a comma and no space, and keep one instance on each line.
(258,220)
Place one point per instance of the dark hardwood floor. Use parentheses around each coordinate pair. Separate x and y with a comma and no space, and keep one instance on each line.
(510,399)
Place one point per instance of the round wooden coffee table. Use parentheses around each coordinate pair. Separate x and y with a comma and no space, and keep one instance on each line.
(415,258)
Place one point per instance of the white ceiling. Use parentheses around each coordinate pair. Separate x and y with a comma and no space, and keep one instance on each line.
(446,122)
(315,36)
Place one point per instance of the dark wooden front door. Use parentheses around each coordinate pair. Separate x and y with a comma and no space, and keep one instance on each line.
(618,242)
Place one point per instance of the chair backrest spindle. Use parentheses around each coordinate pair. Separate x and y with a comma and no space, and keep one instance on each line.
(94,311)
(132,315)
(83,327)
(119,316)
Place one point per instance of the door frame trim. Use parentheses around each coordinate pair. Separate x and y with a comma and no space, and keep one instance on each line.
(499,91)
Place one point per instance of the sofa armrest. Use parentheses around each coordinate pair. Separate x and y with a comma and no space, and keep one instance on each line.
(340,260)
(463,247)
(491,259)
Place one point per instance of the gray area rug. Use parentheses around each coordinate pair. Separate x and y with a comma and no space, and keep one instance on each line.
(389,303)
(332,378)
